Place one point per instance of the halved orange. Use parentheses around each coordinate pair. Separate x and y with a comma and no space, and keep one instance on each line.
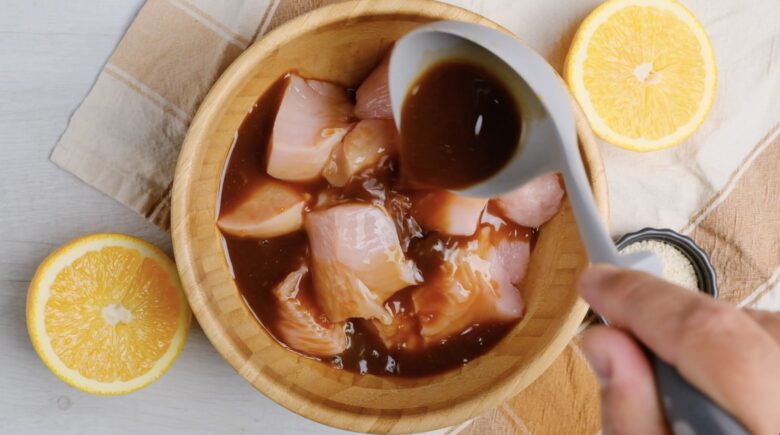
(643,71)
(106,313)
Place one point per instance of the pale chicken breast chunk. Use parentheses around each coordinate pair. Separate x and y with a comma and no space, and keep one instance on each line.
(271,209)
(534,203)
(300,325)
(403,333)
(363,147)
(373,95)
(448,213)
(473,286)
(357,261)
(313,117)
(512,256)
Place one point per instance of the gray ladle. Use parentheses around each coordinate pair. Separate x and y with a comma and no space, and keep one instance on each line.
(548,143)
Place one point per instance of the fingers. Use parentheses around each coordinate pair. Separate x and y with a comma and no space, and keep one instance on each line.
(716,347)
(629,402)
(768,320)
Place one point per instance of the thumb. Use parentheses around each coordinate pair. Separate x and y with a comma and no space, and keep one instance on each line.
(629,401)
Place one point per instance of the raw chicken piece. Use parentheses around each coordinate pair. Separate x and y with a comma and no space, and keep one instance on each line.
(471,287)
(373,95)
(512,256)
(448,213)
(298,324)
(357,261)
(398,206)
(312,118)
(272,209)
(361,148)
(328,197)
(534,203)
(403,333)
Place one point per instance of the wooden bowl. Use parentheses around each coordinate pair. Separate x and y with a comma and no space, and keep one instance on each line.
(342,43)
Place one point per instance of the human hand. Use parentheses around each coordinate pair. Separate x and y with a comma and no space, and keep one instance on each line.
(731,355)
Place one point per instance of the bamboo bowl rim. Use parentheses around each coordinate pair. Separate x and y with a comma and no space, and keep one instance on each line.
(190,216)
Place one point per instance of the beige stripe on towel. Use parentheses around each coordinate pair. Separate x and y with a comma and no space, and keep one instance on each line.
(125,137)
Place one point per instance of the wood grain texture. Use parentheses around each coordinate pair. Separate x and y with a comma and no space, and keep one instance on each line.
(342,43)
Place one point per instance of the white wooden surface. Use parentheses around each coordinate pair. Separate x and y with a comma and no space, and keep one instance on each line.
(50,53)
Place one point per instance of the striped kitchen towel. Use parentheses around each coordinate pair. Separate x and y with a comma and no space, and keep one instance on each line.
(722,186)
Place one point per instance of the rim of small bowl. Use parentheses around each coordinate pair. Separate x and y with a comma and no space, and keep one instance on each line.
(705,272)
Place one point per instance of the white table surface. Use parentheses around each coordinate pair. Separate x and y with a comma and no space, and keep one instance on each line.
(50,54)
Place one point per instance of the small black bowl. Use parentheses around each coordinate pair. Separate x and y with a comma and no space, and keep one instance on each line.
(705,273)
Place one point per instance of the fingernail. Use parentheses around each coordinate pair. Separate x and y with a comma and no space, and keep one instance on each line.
(592,279)
(600,364)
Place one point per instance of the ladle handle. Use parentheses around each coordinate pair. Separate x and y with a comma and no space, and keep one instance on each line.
(600,247)
(688,410)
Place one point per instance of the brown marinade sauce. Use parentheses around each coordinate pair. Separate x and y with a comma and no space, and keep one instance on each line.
(460,125)
(259,265)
